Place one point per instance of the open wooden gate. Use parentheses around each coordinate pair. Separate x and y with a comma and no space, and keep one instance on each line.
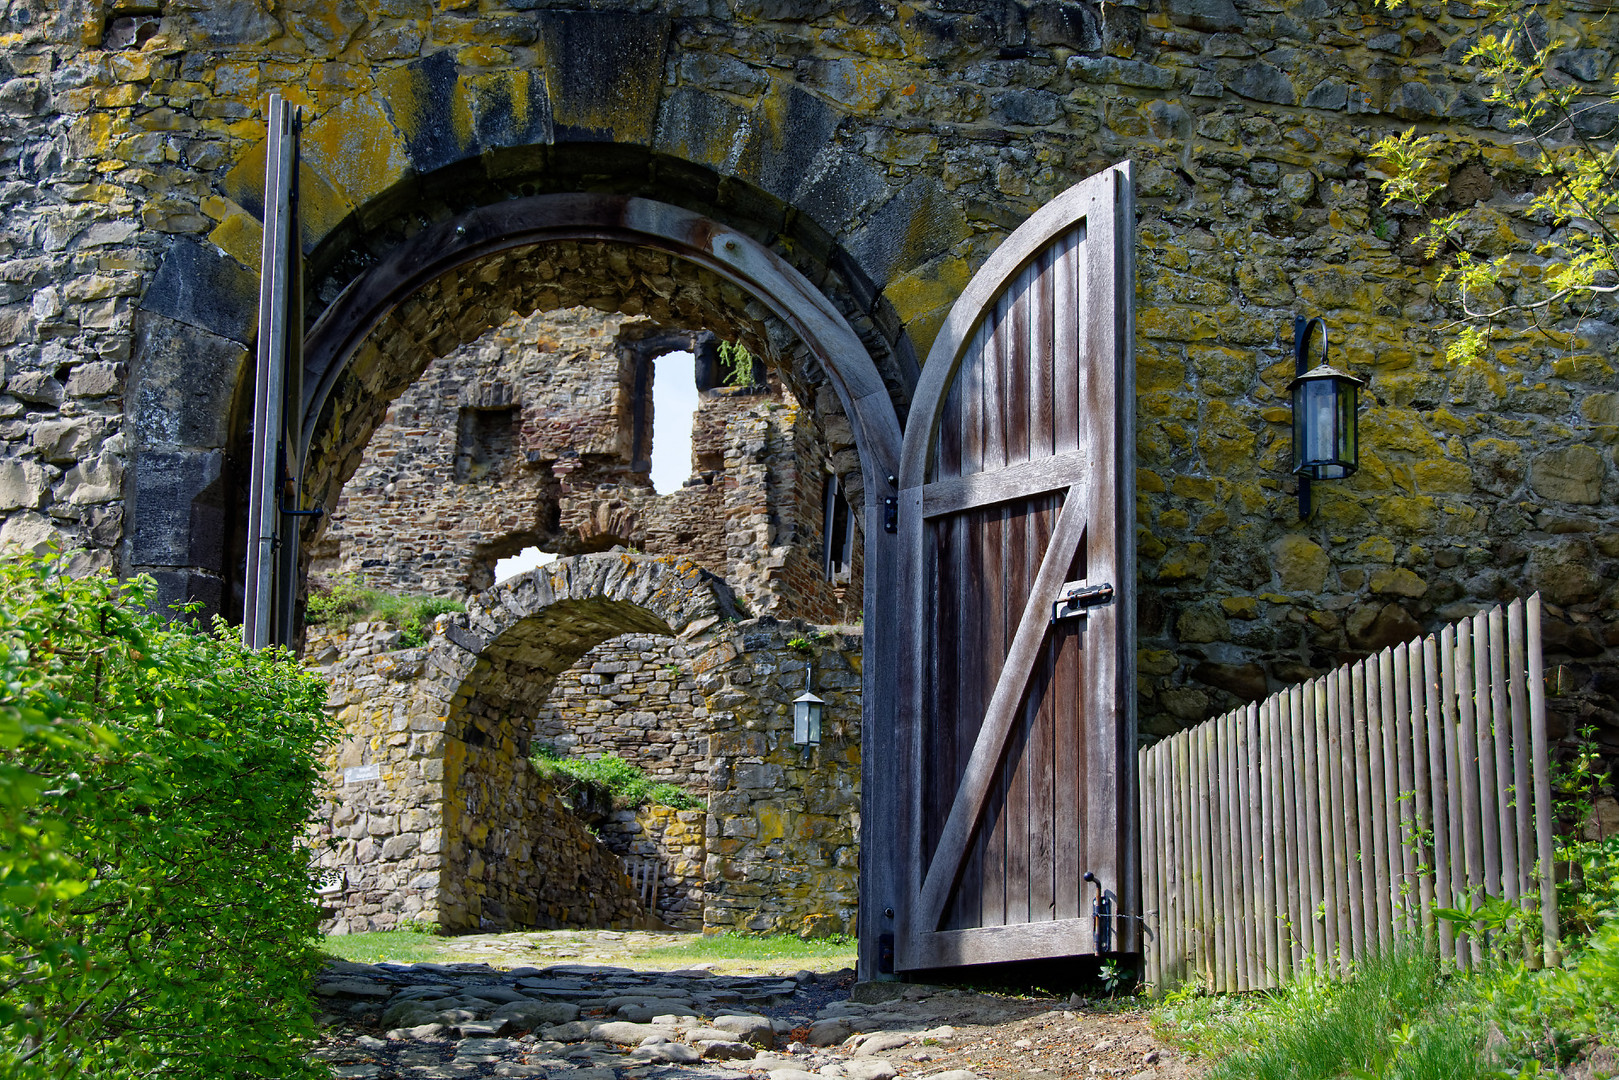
(1016,517)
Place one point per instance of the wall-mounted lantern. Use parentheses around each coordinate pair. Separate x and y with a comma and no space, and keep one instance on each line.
(1326,438)
(807,710)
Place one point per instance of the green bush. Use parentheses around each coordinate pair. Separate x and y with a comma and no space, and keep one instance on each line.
(346,601)
(157,906)
(613,777)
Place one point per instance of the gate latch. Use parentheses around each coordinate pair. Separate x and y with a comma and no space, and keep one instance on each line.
(1076,599)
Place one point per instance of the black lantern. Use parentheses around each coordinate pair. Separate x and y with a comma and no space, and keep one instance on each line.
(1326,440)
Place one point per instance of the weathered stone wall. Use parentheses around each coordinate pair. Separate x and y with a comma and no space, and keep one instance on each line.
(388,825)
(635,696)
(906,140)
(783,821)
(458,829)
(540,434)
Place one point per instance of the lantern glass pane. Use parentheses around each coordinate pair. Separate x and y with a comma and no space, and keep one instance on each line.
(1348,436)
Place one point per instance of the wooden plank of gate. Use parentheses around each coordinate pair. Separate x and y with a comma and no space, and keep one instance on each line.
(1021,828)
(1543,786)
(1406,796)
(1069,897)
(1044,797)
(1512,888)
(1176,912)
(1522,785)
(1488,791)
(1439,803)
(1467,747)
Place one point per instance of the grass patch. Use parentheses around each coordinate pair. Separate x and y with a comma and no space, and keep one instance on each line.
(610,777)
(1399,1015)
(390,946)
(346,601)
(819,954)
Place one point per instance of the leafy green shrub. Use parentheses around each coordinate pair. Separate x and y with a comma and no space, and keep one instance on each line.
(157,908)
(345,602)
(613,777)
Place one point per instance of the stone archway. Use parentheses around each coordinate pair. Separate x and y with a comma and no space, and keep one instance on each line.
(437,815)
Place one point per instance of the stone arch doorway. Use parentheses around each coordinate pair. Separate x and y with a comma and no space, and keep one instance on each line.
(437,815)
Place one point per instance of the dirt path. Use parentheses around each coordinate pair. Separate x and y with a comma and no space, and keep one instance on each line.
(607,1013)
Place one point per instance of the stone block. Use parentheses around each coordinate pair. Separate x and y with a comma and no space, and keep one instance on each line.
(22,485)
(183,384)
(176,504)
(201,287)
(604,71)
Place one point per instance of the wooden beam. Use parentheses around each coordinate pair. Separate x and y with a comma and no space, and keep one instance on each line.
(1011,482)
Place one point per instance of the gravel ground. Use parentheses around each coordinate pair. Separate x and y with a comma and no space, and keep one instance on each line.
(593,1021)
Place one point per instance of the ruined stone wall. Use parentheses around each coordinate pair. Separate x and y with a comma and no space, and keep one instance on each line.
(384,813)
(459,831)
(783,821)
(539,435)
(484,454)
(913,137)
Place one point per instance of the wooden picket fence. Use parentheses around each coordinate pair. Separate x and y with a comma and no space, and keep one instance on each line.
(1312,828)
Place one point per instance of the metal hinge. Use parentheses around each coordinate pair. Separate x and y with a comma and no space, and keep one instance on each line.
(1077,598)
(891,514)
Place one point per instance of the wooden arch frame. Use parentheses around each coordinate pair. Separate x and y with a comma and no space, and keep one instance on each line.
(739,259)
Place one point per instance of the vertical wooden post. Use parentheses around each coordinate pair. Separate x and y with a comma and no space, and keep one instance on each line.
(1543,786)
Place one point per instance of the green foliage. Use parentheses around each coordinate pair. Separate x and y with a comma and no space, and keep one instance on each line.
(409,945)
(737,362)
(1397,1016)
(612,776)
(1577,195)
(346,602)
(801,644)
(157,909)
(1591,893)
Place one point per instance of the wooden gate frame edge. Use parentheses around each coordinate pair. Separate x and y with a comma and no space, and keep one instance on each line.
(743,261)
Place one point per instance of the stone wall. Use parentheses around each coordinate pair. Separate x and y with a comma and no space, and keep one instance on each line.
(386,821)
(886,151)
(539,434)
(783,821)
(438,816)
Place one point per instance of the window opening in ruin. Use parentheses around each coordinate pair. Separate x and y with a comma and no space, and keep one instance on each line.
(486,433)
(674,409)
(521,563)
(837,533)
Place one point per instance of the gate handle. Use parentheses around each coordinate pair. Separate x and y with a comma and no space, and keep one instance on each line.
(1076,599)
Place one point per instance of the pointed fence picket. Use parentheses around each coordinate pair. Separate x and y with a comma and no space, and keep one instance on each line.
(1315,827)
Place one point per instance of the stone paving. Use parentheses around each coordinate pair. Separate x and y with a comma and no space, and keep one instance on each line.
(588,1021)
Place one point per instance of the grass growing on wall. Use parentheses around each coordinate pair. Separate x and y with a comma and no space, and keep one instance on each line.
(613,777)
(346,601)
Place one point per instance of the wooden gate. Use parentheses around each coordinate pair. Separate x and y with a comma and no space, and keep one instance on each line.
(1016,508)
